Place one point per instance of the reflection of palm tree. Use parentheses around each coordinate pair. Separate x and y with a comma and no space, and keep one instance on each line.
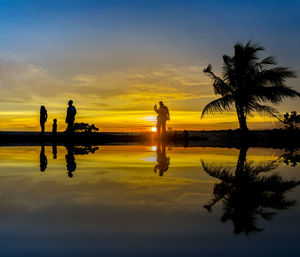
(291,157)
(162,159)
(43,159)
(247,194)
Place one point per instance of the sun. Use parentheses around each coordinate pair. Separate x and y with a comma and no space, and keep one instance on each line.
(153,148)
(153,129)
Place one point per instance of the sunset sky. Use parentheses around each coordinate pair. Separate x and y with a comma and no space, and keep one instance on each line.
(116,59)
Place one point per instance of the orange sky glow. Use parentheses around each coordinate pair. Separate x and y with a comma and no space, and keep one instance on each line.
(115,101)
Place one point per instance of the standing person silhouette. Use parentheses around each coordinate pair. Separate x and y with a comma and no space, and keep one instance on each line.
(43,118)
(54,127)
(162,117)
(71,112)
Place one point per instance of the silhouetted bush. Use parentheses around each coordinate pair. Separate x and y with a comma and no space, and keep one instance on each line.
(85,128)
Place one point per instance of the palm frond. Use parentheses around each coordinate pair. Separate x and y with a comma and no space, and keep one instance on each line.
(276,183)
(264,168)
(275,76)
(221,173)
(219,104)
(275,94)
(266,110)
(247,53)
(256,47)
(270,60)
(220,86)
(208,70)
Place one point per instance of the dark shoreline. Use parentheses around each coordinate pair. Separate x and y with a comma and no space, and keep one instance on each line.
(277,138)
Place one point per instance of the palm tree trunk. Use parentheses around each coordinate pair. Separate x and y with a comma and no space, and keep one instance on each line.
(242,159)
(242,118)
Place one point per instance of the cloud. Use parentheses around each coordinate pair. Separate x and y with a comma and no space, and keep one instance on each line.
(140,84)
(20,80)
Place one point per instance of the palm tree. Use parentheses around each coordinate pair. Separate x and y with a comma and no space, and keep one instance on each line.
(247,82)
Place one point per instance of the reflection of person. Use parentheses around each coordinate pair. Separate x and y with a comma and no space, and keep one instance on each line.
(71,112)
(70,159)
(43,159)
(54,150)
(54,127)
(43,118)
(162,159)
(162,117)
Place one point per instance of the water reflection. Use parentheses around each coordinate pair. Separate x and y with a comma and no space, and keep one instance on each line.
(70,160)
(163,161)
(247,192)
(72,150)
(43,159)
(116,201)
(54,150)
(75,150)
(291,157)
(85,149)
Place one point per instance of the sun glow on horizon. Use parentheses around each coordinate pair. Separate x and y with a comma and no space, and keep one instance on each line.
(153,148)
(153,129)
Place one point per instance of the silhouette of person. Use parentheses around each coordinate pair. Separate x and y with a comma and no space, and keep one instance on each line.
(70,159)
(162,159)
(54,150)
(162,117)
(43,118)
(43,159)
(71,112)
(54,127)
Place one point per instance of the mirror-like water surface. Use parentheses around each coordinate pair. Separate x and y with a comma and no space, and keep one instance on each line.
(148,201)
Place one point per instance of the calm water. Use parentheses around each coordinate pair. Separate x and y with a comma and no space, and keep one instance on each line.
(148,201)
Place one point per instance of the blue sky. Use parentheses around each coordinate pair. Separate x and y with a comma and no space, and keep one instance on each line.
(204,28)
